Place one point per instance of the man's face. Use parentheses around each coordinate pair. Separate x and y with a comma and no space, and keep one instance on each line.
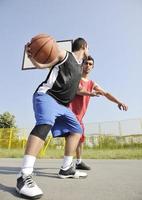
(87,66)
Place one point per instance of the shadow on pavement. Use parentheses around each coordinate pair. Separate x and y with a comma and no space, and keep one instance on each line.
(10,190)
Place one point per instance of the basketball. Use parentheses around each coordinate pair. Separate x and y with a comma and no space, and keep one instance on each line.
(43,48)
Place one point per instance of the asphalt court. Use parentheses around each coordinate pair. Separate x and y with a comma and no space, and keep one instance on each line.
(107,180)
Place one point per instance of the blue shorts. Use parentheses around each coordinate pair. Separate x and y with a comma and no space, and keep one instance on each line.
(48,111)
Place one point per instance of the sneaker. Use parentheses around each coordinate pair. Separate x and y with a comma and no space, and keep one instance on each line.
(28,188)
(82,166)
(71,173)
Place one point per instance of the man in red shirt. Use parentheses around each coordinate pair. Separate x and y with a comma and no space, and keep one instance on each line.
(88,88)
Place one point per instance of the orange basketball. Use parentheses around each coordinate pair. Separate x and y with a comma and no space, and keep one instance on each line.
(43,48)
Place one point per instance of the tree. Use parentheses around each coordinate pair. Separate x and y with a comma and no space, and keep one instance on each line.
(8,130)
(7,120)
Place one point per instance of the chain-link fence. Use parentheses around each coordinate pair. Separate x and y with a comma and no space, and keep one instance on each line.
(115,134)
(115,128)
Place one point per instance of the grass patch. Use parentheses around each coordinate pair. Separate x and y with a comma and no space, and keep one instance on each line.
(11,153)
(125,153)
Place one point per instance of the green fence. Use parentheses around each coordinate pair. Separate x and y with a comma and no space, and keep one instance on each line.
(17,138)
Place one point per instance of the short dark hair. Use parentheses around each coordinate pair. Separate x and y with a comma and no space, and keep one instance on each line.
(78,44)
(88,58)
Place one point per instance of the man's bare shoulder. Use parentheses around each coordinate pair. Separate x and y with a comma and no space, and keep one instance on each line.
(61,53)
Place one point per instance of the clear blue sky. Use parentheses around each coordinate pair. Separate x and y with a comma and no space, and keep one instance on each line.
(113,30)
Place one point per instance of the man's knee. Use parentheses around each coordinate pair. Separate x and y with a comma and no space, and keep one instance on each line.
(41,131)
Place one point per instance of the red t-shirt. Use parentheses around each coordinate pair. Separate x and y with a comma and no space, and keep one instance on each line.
(80,102)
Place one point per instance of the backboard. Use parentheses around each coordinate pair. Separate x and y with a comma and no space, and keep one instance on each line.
(27,64)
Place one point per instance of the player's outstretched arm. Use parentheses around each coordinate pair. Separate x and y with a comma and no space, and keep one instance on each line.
(121,105)
(84,92)
(110,97)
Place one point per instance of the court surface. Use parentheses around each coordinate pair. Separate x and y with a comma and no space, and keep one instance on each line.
(108,180)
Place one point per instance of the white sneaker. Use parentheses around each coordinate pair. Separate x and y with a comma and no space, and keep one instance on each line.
(71,173)
(27,187)
(79,174)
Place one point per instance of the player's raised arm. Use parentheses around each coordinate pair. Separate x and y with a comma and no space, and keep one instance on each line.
(43,51)
(60,55)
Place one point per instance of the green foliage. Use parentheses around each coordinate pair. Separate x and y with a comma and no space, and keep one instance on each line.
(7,120)
(107,142)
(8,130)
(113,142)
(9,137)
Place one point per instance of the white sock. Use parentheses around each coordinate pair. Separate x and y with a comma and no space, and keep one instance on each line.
(78,161)
(67,162)
(28,164)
